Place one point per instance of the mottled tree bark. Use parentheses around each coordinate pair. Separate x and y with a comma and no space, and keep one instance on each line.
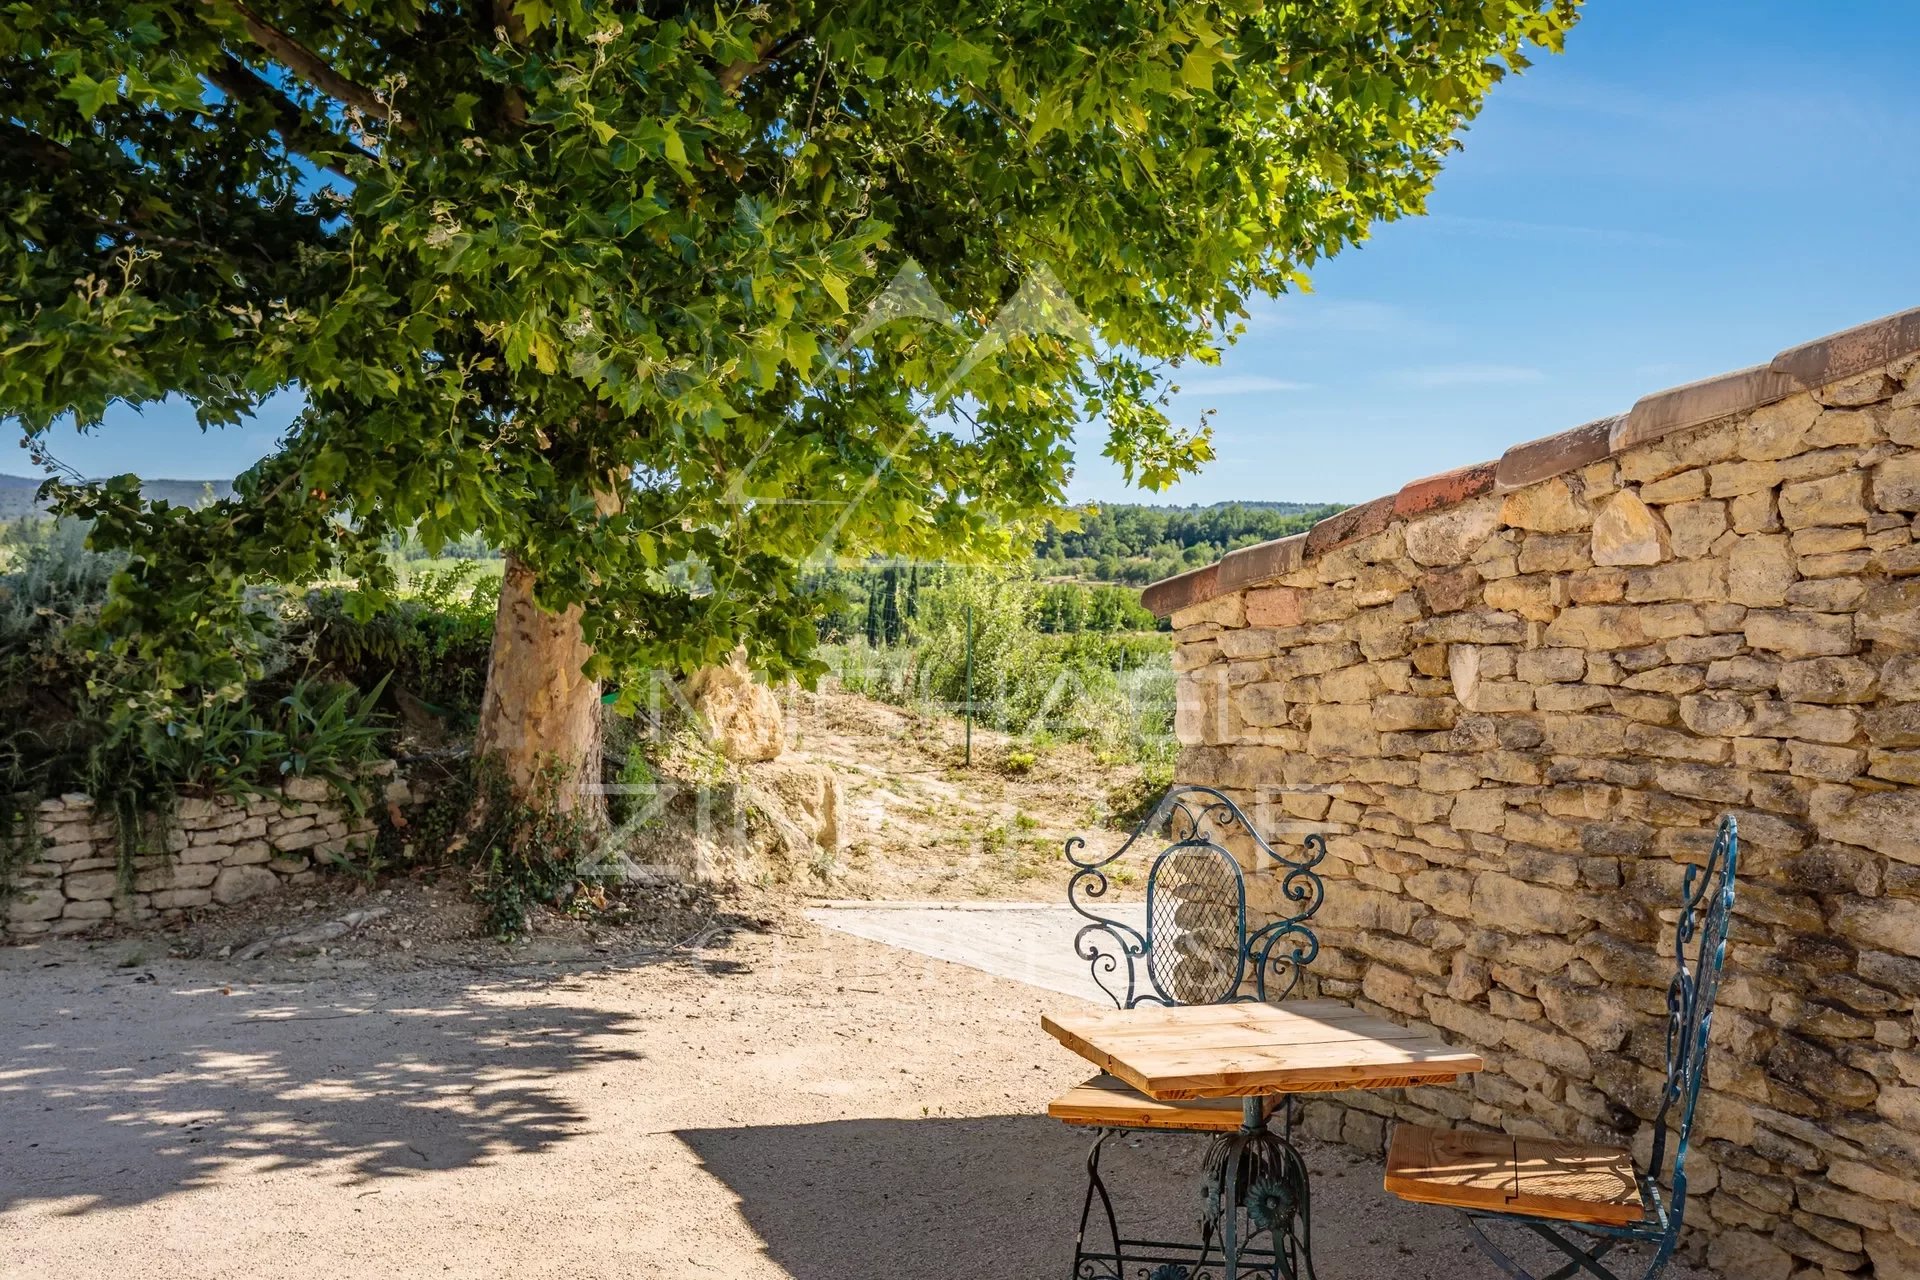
(539,712)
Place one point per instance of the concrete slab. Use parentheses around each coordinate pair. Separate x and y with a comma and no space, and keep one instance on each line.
(1030,942)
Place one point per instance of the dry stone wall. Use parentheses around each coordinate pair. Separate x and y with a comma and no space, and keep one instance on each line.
(1519,710)
(220,851)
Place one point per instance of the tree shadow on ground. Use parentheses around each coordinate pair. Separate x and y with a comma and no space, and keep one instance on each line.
(169,1086)
(988,1196)
(1001,1196)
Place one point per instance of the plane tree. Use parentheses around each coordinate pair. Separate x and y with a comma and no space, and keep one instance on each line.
(667,300)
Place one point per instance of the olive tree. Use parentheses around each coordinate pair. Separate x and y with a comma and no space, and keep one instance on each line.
(667,300)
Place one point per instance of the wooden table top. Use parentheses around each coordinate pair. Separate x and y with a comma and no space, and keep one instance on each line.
(1246,1050)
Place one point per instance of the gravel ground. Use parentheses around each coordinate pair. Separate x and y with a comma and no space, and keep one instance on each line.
(789,1102)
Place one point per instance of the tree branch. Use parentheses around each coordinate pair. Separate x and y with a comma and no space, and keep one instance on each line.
(237,80)
(767,50)
(307,64)
(46,151)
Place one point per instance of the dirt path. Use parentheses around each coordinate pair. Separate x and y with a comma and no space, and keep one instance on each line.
(798,1104)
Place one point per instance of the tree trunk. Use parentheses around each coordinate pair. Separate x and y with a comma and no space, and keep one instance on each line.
(539,712)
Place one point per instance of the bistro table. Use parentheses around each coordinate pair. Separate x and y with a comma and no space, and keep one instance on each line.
(1252,1051)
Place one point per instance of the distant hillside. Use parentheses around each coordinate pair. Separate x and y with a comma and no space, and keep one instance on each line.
(16,494)
(1137,544)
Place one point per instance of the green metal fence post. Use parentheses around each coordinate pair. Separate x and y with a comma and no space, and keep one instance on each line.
(969,686)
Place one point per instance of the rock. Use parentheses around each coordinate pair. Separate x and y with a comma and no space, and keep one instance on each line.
(1760,568)
(238,884)
(1886,822)
(1274,606)
(314,935)
(1800,635)
(1889,616)
(92,886)
(36,905)
(309,790)
(1450,537)
(1828,680)
(1500,901)
(1749,1257)
(1890,924)
(742,716)
(1896,483)
(1628,532)
(1832,500)
(1551,506)
(1778,430)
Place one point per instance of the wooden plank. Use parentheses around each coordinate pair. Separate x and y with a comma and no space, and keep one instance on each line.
(1457,1168)
(1190,1073)
(1576,1181)
(1249,1030)
(1111,1103)
(1215,1051)
(1202,1015)
(1569,1181)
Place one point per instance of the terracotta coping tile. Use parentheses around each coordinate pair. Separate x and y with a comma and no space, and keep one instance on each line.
(1444,490)
(1170,595)
(1841,355)
(1678,408)
(1812,364)
(1350,525)
(1554,455)
(1261,561)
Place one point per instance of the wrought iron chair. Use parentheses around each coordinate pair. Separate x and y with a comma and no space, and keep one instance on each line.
(1195,947)
(1553,1188)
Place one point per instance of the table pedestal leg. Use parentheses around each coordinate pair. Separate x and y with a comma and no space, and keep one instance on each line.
(1254,1186)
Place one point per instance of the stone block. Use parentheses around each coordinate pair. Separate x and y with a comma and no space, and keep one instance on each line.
(1800,635)
(1760,568)
(35,906)
(1627,532)
(1553,506)
(1887,822)
(1274,607)
(181,899)
(1501,901)
(1778,430)
(90,886)
(238,884)
(1833,680)
(1342,730)
(1891,924)
(1889,615)
(1896,483)
(1832,500)
(1451,536)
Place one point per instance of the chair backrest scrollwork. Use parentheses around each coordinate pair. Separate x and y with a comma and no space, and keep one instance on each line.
(1700,952)
(1195,947)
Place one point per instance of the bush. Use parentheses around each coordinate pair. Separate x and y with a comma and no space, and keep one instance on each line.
(433,644)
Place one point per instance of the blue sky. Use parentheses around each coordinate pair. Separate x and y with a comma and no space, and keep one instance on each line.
(1690,188)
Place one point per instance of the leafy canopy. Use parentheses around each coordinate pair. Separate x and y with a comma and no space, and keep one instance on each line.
(591,279)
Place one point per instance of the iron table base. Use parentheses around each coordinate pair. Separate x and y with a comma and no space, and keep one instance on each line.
(1255,1217)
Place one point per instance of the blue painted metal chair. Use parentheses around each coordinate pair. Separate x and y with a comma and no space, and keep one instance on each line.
(1587,1201)
(1194,946)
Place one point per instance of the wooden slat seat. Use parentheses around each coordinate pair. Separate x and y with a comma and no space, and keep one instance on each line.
(1570,1181)
(1110,1103)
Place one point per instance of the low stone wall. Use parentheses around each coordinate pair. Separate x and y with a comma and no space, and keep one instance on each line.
(1519,697)
(220,851)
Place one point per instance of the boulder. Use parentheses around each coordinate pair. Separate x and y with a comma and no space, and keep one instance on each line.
(238,884)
